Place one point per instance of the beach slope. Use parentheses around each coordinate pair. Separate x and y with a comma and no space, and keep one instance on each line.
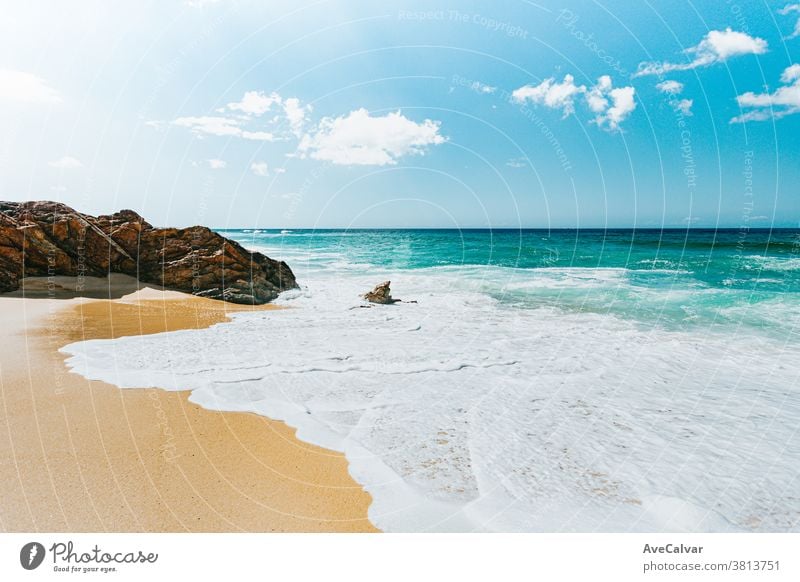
(81,455)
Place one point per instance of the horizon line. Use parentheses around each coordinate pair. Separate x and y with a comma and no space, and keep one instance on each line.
(516,228)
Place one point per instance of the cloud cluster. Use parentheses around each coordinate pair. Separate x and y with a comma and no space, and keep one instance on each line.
(236,119)
(361,139)
(716,47)
(256,104)
(610,105)
(260,168)
(26,88)
(551,94)
(217,164)
(670,87)
(673,89)
(683,106)
(354,139)
(782,102)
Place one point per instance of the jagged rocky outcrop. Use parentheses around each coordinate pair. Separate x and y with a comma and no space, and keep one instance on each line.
(50,238)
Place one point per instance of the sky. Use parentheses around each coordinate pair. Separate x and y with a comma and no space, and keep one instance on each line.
(364,114)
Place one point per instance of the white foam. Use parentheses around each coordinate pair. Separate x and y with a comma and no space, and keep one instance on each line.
(462,413)
(770,263)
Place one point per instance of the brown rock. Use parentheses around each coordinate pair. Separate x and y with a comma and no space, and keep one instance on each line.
(381,294)
(50,238)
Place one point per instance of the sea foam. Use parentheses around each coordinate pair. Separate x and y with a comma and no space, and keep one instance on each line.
(463,412)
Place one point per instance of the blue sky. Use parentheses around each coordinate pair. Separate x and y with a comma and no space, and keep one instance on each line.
(277,114)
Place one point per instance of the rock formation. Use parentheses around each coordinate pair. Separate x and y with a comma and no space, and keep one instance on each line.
(381,294)
(50,238)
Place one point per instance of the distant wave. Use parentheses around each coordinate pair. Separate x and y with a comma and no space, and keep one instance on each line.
(772,263)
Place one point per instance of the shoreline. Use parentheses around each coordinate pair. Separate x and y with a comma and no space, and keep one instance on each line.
(84,455)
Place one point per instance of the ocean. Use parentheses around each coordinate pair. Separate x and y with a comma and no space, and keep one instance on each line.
(531,380)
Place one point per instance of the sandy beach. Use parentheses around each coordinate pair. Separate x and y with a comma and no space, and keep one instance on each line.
(80,455)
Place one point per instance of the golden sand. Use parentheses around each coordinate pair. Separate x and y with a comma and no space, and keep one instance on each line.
(81,455)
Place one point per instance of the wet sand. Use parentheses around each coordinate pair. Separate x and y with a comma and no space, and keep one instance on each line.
(81,455)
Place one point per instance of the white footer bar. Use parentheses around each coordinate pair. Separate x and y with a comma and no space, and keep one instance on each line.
(411,557)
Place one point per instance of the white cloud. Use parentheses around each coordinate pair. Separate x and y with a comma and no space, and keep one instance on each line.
(360,139)
(596,96)
(221,126)
(255,103)
(260,168)
(551,94)
(716,47)
(759,115)
(623,104)
(782,102)
(788,9)
(683,106)
(674,88)
(720,45)
(216,164)
(610,106)
(238,123)
(280,170)
(66,163)
(211,125)
(26,88)
(790,74)
(258,135)
(295,114)
(670,87)
(155,124)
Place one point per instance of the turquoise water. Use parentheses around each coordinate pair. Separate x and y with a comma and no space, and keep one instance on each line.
(540,381)
(670,278)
